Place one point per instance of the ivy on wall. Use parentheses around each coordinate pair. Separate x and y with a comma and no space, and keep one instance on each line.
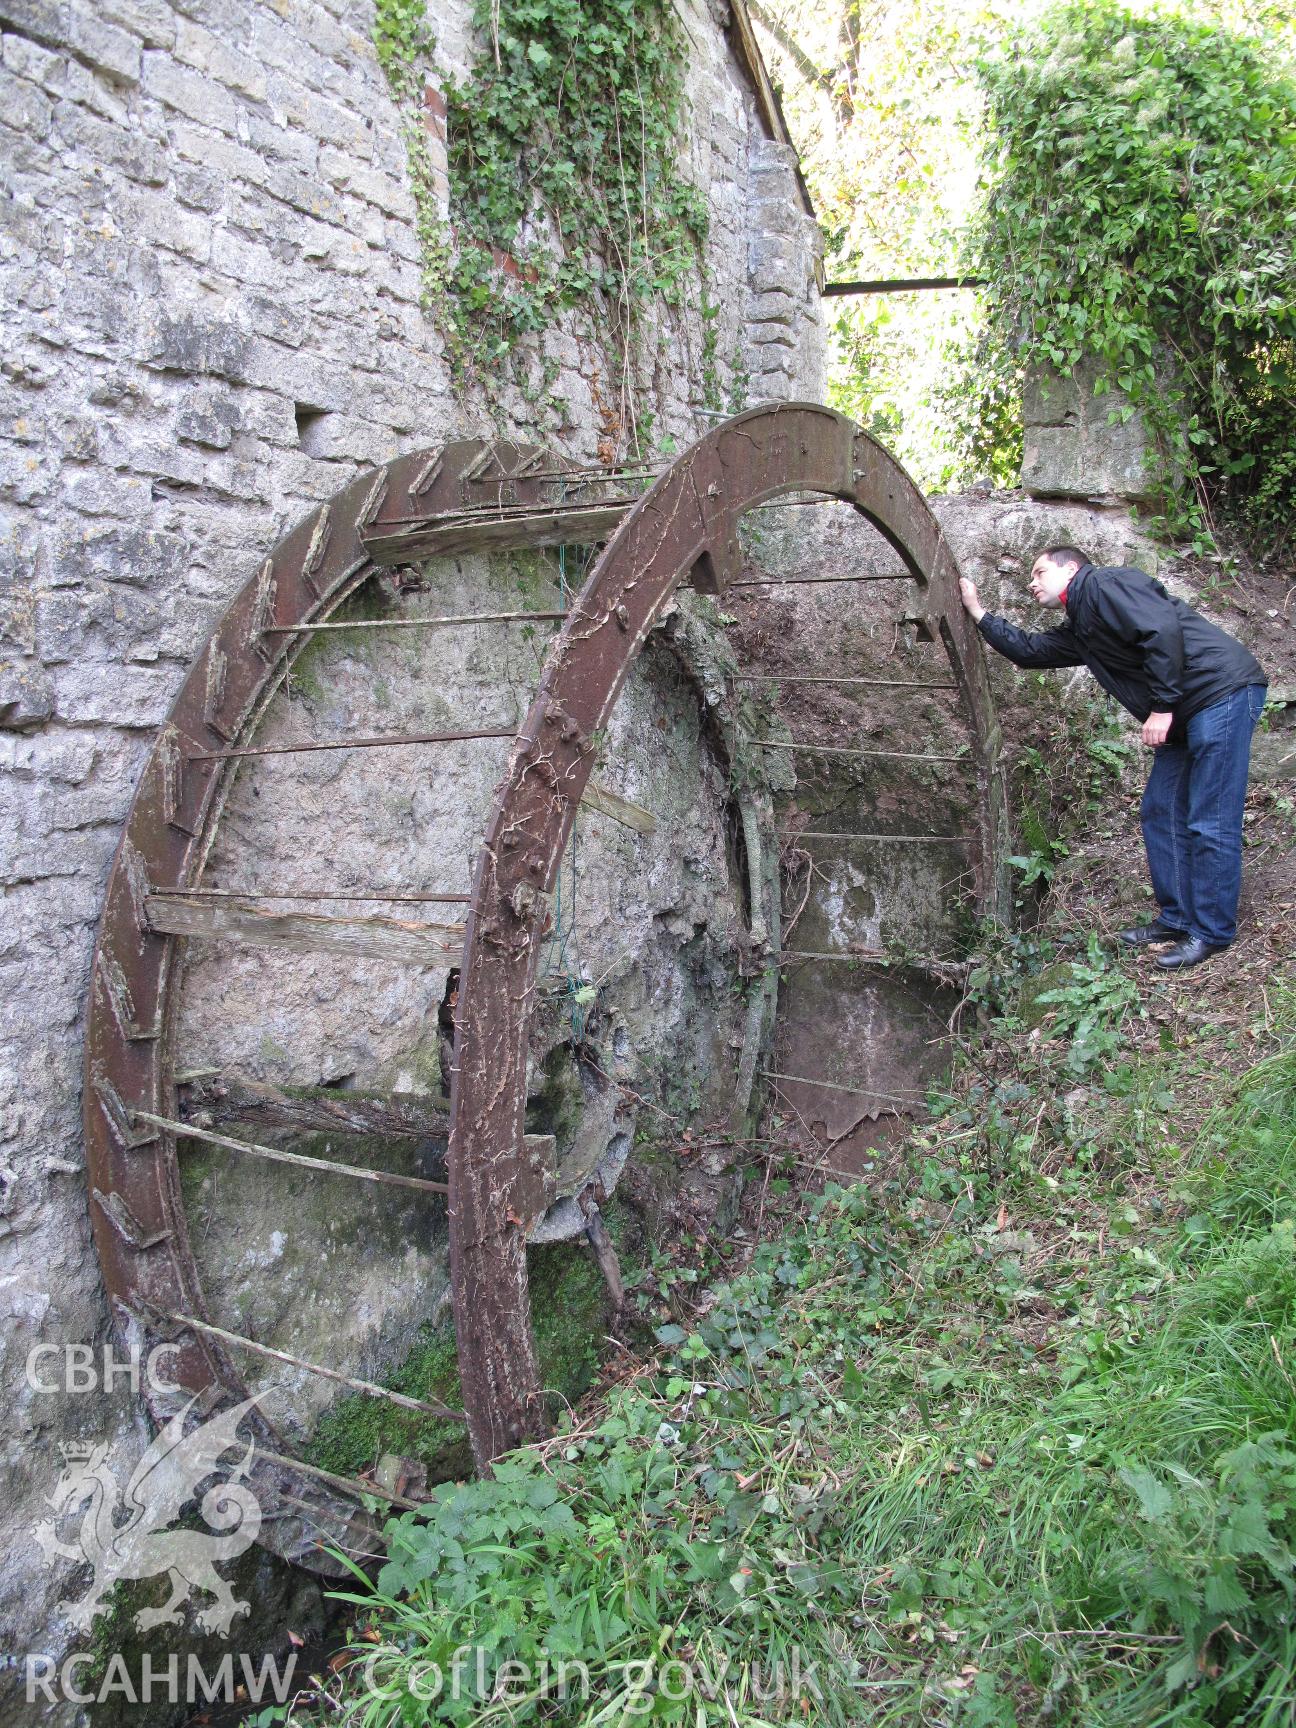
(1140,209)
(401,38)
(565,192)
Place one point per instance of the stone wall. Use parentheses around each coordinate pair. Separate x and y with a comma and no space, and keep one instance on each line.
(1095,449)
(212,276)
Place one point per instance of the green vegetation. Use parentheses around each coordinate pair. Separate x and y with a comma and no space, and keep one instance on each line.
(1092,1004)
(401,39)
(571,115)
(1141,173)
(356,1431)
(883,104)
(1007,1436)
(565,191)
(568,1299)
(1122,178)
(404,44)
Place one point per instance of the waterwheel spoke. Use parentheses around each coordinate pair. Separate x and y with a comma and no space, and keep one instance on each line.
(837,1086)
(428,1407)
(824,581)
(348,1484)
(276,1155)
(890,839)
(384,743)
(387,896)
(448,622)
(827,678)
(843,750)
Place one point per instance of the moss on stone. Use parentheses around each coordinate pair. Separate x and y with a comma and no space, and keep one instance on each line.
(113,1629)
(568,1314)
(559,1104)
(1035,836)
(568,1301)
(355,1432)
(308,675)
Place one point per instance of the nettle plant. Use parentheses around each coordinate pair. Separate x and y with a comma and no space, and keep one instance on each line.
(1139,210)
(563,146)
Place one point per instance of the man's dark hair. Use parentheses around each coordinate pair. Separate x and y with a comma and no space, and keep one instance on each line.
(1066,555)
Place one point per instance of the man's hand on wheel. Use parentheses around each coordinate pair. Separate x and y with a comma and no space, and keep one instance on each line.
(1156,729)
(971,599)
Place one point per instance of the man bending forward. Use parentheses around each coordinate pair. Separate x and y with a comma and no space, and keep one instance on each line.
(1198,692)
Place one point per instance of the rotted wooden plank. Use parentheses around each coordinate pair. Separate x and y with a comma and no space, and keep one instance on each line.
(209,1100)
(417,944)
(537,1191)
(498,529)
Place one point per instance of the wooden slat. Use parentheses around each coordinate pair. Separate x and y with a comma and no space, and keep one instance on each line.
(305,932)
(395,1115)
(543,525)
(235,1097)
(619,809)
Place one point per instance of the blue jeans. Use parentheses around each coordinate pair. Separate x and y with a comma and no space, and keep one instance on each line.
(1192,818)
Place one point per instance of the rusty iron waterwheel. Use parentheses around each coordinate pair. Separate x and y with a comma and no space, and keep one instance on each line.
(496,1183)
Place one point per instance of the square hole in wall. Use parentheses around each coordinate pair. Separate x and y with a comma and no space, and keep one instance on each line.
(312,427)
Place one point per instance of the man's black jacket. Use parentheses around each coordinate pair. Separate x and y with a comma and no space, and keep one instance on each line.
(1149,650)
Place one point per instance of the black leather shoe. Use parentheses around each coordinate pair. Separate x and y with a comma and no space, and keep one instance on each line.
(1156,931)
(1190,952)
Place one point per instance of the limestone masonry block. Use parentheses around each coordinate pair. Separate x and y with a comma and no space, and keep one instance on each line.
(1070,450)
(104,47)
(188,92)
(153,21)
(26,695)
